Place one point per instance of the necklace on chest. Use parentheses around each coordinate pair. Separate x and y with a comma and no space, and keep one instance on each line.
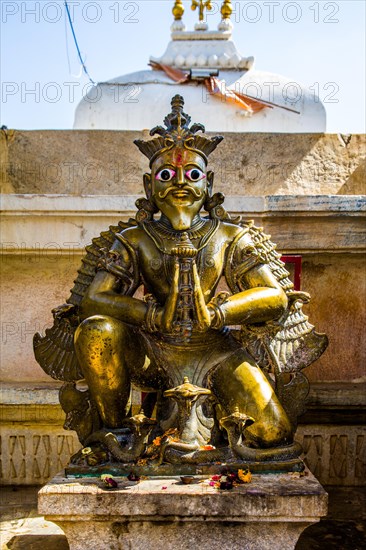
(165,238)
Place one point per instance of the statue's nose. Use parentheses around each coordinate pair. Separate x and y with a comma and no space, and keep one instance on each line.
(180,177)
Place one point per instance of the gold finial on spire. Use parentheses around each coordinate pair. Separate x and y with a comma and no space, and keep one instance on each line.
(226,9)
(178,10)
(202,5)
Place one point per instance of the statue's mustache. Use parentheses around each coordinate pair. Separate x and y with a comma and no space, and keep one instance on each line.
(198,194)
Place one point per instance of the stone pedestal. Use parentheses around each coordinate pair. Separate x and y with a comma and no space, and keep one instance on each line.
(162,513)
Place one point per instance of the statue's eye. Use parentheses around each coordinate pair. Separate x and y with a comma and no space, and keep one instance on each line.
(195,174)
(165,175)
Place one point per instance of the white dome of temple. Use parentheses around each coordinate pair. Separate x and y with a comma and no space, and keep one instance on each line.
(246,100)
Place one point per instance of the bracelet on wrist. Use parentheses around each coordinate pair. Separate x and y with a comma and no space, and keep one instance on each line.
(218,321)
(150,316)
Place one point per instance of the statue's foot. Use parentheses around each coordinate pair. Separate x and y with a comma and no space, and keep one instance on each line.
(126,444)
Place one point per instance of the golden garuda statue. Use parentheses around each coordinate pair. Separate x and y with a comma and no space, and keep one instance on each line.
(220,370)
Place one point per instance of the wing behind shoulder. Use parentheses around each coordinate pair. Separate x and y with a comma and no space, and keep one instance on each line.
(55,351)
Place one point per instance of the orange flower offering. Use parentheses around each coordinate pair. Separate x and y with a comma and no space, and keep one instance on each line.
(245,476)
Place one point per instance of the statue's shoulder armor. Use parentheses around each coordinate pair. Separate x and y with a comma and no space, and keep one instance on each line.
(231,229)
(252,247)
(55,350)
(94,252)
(131,231)
(132,236)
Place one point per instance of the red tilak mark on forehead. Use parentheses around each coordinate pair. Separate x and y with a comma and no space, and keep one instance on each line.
(179,159)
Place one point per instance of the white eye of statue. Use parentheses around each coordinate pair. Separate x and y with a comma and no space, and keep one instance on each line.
(195,174)
(166,174)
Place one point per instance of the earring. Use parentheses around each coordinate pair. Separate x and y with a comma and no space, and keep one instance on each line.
(146,210)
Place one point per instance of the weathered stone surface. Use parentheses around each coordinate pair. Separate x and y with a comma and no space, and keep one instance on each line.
(106,162)
(179,535)
(22,528)
(336,283)
(31,284)
(337,396)
(6,136)
(269,513)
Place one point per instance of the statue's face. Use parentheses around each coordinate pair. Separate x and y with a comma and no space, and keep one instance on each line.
(179,186)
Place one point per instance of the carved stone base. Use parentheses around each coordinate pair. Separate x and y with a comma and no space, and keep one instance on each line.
(269,513)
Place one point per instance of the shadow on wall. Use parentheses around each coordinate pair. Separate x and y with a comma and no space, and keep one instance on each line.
(38,542)
(356,183)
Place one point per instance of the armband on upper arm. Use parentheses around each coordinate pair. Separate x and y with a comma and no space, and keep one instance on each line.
(252,248)
(111,261)
(250,258)
(115,263)
(243,256)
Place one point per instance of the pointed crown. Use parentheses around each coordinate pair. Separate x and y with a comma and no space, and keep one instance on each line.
(177,134)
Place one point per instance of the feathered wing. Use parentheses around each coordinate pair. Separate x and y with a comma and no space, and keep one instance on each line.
(291,343)
(296,345)
(55,351)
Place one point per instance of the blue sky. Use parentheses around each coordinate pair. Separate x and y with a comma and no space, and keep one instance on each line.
(318,43)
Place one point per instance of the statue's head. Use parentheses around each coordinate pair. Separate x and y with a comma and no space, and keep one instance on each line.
(179,182)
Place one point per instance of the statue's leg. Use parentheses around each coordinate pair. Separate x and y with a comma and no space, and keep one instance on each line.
(105,348)
(238,382)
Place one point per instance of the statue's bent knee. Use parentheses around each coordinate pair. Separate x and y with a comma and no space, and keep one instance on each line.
(99,343)
(99,329)
(274,430)
(99,340)
(97,324)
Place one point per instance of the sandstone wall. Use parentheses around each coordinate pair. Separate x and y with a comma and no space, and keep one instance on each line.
(108,163)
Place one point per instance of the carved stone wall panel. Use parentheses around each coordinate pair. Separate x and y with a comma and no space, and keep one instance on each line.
(335,454)
(31,455)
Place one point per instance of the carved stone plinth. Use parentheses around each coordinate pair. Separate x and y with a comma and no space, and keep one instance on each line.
(269,513)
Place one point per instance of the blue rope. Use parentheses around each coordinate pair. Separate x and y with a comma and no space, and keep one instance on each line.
(76,43)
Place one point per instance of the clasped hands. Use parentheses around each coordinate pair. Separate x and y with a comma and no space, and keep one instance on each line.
(164,319)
